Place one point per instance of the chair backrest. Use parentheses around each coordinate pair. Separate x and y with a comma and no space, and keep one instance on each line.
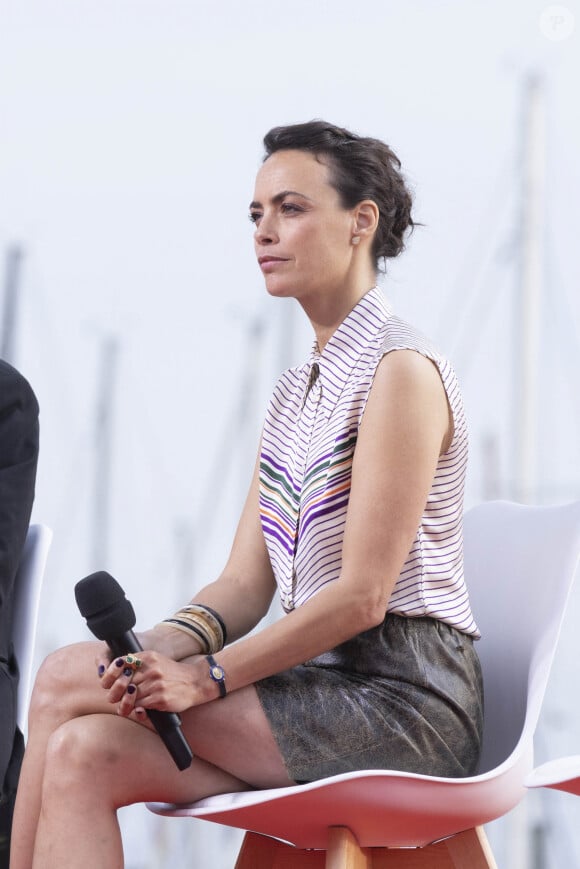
(519,565)
(28,585)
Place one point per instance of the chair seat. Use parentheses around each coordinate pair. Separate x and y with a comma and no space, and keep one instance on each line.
(382,808)
(561,775)
(520,563)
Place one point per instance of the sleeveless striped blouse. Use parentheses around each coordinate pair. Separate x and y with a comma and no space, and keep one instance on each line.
(308,442)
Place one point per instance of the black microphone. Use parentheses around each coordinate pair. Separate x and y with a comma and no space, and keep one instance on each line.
(110,617)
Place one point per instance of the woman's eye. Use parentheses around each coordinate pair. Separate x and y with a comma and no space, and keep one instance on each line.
(290,207)
(254,216)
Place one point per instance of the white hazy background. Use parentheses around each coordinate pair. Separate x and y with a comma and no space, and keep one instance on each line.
(131,135)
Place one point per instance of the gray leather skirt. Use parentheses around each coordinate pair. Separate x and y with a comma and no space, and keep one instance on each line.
(406,695)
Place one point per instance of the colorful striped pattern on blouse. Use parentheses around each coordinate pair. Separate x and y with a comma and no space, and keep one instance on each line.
(308,444)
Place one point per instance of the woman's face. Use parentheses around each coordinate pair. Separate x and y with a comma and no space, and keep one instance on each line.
(303,237)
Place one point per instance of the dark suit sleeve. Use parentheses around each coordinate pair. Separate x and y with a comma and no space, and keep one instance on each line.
(18,458)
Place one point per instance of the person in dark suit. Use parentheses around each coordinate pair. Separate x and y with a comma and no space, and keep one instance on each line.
(18,459)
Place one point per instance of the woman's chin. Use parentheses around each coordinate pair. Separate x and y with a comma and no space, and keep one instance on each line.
(279,289)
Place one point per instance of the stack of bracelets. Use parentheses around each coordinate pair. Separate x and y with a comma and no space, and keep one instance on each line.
(203,623)
(208,628)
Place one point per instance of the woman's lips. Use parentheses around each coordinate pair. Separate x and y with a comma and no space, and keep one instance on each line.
(270,263)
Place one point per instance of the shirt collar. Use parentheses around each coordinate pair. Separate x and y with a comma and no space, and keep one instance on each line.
(355,335)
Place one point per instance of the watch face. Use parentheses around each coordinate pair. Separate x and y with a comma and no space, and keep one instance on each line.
(217,672)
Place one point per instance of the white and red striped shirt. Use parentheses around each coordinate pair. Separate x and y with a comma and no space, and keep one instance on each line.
(308,444)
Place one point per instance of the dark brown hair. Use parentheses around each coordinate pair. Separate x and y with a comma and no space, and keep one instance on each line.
(360,168)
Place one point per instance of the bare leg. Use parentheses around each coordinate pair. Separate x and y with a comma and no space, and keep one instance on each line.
(82,763)
(94,766)
(63,690)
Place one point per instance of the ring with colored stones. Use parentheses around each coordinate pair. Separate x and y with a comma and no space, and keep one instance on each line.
(133,662)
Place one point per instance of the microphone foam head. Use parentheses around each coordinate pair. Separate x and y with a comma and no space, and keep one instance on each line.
(102,602)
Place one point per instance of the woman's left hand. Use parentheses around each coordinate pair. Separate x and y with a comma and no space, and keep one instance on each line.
(149,680)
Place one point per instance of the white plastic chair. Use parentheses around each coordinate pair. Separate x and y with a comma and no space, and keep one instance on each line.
(520,563)
(28,585)
(561,775)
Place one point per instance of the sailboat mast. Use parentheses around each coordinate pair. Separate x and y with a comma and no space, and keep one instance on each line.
(530,289)
(104,443)
(14,256)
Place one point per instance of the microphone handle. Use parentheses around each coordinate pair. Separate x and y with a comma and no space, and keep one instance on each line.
(167,724)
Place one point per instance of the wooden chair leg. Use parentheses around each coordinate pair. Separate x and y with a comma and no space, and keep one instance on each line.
(261,852)
(467,850)
(470,850)
(344,852)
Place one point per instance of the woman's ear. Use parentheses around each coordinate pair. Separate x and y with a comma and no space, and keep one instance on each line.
(366,219)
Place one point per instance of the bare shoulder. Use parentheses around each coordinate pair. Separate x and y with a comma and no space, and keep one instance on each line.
(410,367)
(408,394)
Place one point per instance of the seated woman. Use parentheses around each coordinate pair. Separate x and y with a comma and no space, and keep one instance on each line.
(354,514)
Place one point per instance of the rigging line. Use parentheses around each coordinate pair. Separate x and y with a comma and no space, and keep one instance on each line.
(76,481)
(563,317)
(569,313)
(156,446)
(565,359)
(229,446)
(39,314)
(235,424)
(464,354)
(136,404)
(460,299)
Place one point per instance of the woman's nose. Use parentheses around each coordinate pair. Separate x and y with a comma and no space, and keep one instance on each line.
(265,232)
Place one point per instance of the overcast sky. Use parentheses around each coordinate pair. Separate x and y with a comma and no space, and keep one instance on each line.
(131,135)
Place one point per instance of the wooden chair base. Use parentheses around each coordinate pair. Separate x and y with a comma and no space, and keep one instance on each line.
(467,850)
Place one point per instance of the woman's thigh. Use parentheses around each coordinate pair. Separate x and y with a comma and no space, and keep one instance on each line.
(111,758)
(232,733)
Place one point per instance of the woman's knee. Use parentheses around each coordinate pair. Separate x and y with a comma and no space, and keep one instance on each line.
(77,757)
(61,682)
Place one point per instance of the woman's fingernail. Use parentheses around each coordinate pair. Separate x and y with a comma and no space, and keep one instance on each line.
(131,689)
(101,669)
(127,671)
(119,662)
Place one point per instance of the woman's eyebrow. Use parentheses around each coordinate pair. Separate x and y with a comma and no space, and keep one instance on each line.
(279,197)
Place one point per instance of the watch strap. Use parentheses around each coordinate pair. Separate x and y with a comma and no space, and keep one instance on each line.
(217,673)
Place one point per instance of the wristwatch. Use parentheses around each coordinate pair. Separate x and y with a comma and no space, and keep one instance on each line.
(217,673)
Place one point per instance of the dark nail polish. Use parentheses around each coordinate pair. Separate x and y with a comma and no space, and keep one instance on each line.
(127,671)
(119,662)
(131,689)
(101,669)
